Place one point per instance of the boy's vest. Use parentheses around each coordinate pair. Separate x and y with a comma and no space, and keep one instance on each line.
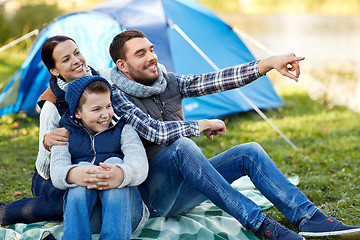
(86,147)
(166,106)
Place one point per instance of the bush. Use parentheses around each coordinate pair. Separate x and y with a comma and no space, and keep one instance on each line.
(5,27)
(26,19)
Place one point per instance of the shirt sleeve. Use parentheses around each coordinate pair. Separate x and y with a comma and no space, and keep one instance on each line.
(218,81)
(135,164)
(49,120)
(159,132)
(60,166)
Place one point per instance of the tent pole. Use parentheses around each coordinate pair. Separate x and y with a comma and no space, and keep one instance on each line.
(188,39)
(252,40)
(9,45)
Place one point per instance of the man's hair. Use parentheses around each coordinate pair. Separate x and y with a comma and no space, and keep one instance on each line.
(117,45)
(48,49)
(93,87)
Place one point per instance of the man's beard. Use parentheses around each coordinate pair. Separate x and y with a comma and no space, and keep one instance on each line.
(140,77)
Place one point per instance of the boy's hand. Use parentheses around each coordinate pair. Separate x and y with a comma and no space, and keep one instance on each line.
(105,176)
(85,175)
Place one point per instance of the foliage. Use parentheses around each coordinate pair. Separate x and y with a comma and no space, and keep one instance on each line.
(26,19)
(220,6)
(25,16)
(300,6)
(11,61)
(5,27)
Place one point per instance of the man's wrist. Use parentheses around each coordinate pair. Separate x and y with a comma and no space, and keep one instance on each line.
(264,66)
(203,124)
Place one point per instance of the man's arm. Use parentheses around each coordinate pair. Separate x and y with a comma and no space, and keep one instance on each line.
(159,132)
(212,127)
(163,132)
(284,64)
(237,76)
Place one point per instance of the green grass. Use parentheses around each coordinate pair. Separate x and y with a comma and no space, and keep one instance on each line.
(18,150)
(327,159)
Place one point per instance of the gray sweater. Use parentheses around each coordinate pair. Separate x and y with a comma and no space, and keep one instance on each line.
(135,165)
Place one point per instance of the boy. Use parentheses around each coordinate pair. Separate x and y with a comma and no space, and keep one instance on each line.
(98,136)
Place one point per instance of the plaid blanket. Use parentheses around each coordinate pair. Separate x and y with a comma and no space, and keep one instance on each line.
(205,222)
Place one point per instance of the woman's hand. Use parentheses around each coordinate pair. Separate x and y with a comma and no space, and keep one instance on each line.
(58,136)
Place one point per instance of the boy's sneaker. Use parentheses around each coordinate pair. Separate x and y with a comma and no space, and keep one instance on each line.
(321,225)
(272,230)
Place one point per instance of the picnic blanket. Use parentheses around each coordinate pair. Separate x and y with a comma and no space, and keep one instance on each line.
(205,222)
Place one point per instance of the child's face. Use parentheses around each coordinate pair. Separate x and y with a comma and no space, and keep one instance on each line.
(96,112)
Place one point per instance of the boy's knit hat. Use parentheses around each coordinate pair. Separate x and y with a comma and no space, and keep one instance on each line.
(76,88)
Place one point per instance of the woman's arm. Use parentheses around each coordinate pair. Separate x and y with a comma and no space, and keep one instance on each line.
(49,120)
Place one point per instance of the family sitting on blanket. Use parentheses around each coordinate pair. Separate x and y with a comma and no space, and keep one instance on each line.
(179,177)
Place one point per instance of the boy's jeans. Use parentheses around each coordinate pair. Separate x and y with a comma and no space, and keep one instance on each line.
(180,178)
(120,216)
(121,212)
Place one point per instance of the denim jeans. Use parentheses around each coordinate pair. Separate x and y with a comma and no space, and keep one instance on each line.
(180,178)
(121,212)
(46,205)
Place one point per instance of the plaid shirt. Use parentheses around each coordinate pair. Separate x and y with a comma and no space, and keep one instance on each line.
(166,132)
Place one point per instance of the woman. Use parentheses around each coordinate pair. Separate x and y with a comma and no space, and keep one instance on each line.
(65,62)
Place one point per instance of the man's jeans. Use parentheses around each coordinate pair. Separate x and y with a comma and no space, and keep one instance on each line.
(121,212)
(46,205)
(180,178)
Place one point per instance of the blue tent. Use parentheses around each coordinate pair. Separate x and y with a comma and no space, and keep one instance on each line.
(188,39)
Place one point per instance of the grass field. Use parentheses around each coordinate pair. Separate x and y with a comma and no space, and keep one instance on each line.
(327,159)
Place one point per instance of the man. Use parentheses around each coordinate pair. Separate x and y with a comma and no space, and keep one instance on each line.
(180,177)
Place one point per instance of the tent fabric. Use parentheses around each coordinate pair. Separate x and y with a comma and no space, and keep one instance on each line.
(94,30)
(205,222)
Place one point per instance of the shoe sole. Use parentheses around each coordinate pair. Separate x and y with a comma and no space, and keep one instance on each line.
(351,234)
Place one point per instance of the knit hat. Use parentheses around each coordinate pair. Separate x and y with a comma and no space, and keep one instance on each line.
(76,88)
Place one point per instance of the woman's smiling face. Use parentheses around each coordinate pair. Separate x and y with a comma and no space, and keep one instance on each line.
(69,62)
